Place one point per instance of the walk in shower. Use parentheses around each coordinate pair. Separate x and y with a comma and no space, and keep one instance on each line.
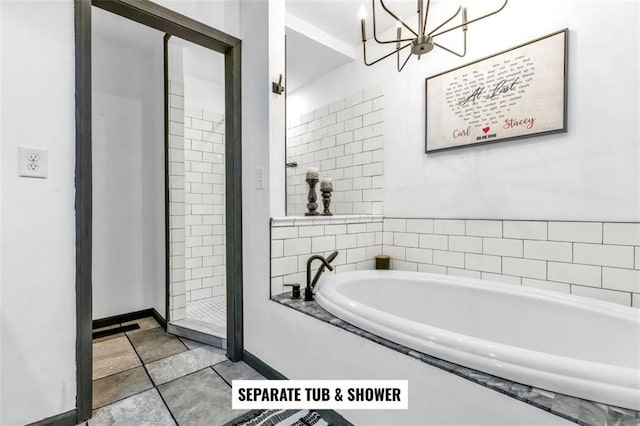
(196,187)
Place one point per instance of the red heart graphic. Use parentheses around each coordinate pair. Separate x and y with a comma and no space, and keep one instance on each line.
(486,129)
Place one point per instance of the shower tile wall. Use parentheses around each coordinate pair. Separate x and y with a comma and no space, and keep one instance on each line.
(204,205)
(345,140)
(196,170)
(600,260)
(178,301)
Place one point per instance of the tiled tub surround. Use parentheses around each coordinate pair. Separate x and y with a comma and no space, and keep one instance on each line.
(574,409)
(358,240)
(592,259)
(196,184)
(345,140)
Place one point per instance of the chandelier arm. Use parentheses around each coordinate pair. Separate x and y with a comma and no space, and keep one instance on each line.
(396,18)
(464,44)
(390,41)
(375,35)
(445,22)
(400,68)
(471,21)
(364,49)
(452,51)
(419,11)
(426,15)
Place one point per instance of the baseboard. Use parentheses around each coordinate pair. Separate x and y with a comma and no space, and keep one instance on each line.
(156,315)
(63,419)
(332,417)
(131,316)
(261,367)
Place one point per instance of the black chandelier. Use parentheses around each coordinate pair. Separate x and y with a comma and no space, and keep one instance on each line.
(421,41)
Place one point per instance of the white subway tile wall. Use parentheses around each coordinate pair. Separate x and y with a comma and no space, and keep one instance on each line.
(177,248)
(358,240)
(558,256)
(345,140)
(196,194)
(204,186)
(592,259)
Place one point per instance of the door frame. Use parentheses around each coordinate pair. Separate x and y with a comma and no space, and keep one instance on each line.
(172,23)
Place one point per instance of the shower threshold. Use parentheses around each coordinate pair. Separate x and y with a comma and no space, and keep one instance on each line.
(210,334)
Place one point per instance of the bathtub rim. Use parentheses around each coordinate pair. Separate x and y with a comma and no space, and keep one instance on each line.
(581,378)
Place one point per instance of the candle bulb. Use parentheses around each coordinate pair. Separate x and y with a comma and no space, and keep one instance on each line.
(313,173)
(325,182)
(464,18)
(363,15)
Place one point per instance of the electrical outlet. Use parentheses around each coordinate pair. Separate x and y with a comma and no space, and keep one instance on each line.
(32,162)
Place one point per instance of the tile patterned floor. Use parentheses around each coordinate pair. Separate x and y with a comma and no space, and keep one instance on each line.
(211,311)
(149,377)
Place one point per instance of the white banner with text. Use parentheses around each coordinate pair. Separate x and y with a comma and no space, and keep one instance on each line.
(320,394)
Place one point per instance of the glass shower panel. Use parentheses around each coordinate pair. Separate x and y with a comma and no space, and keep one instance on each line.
(196,156)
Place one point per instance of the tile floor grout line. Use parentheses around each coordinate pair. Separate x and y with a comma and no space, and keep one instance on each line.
(151,378)
(153,383)
(124,371)
(129,396)
(113,374)
(167,405)
(220,375)
(188,374)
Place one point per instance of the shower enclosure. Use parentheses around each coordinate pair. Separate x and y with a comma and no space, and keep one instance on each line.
(196,190)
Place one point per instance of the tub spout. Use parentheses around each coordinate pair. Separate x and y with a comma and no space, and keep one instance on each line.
(308,291)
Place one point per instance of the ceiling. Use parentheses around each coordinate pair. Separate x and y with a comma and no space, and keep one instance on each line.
(308,59)
(340,17)
(310,55)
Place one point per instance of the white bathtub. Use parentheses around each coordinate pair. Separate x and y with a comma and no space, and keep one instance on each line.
(562,343)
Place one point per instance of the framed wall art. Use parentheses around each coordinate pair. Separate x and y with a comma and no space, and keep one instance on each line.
(518,93)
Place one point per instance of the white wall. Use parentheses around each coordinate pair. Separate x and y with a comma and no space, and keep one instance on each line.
(203,77)
(204,95)
(256,105)
(128,177)
(589,173)
(38,217)
(1,215)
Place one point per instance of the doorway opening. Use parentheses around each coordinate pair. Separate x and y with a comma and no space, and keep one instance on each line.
(171,24)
